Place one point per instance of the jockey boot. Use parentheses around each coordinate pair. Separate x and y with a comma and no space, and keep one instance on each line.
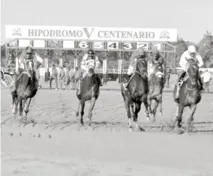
(79,87)
(180,77)
(200,82)
(127,83)
(13,84)
(99,80)
(4,83)
(179,80)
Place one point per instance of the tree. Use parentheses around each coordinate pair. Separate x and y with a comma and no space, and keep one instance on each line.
(181,46)
(205,48)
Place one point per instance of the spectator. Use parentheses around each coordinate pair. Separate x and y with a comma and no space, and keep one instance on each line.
(78,74)
(72,78)
(67,77)
(168,74)
(54,76)
(61,77)
(206,76)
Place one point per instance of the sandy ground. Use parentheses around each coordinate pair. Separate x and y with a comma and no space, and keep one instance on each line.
(65,148)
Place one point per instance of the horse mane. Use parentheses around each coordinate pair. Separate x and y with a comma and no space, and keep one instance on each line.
(143,69)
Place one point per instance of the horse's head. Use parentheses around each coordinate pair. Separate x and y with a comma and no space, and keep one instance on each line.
(159,75)
(30,67)
(91,67)
(141,66)
(193,69)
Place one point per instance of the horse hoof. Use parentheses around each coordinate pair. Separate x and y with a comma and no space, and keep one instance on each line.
(130,129)
(140,129)
(25,114)
(77,114)
(14,111)
(147,119)
(23,120)
(179,131)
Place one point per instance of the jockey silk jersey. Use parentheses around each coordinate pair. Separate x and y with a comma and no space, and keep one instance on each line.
(36,59)
(153,63)
(89,62)
(133,60)
(185,56)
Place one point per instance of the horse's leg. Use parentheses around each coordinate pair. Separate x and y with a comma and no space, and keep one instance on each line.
(154,110)
(136,110)
(82,111)
(26,106)
(13,100)
(146,105)
(78,108)
(92,104)
(149,101)
(180,113)
(161,107)
(14,105)
(191,117)
(20,107)
(127,106)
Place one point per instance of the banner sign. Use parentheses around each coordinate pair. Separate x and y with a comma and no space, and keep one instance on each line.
(92,34)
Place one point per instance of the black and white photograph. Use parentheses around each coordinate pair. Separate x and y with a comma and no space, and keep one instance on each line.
(106,88)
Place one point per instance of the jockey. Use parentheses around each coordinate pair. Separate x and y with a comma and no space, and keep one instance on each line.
(3,78)
(28,54)
(191,53)
(156,60)
(90,60)
(136,55)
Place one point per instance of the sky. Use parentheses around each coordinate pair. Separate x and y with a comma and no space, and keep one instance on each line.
(192,18)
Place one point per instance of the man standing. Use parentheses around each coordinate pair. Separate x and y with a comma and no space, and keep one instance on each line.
(61,77)
(206,76)
(54,76)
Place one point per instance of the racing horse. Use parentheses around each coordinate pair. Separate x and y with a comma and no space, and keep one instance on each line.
(156,84)
(136,94)
(89,90)
(189,95)
(26,88)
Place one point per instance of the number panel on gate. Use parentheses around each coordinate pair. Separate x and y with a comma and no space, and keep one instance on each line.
(144,45)
(128,46)
(112,45)
(98,45)
(82,44)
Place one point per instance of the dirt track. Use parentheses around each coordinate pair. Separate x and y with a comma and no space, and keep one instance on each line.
(62,149)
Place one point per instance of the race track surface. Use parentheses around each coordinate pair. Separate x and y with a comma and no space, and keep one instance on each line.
(57,144)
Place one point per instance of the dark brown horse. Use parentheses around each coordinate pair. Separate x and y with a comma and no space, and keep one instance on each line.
(136,93)
(26,89)
(156,84)
(89,90)
(189,95)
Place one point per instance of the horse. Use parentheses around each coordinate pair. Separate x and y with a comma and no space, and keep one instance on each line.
(136,94)
(89,90)
(26,88)
(189,95)
(156,84)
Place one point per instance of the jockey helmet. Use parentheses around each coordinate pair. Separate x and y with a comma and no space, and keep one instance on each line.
(141,51)
(29,52)
(155,52)
(90,52)
(191,49)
